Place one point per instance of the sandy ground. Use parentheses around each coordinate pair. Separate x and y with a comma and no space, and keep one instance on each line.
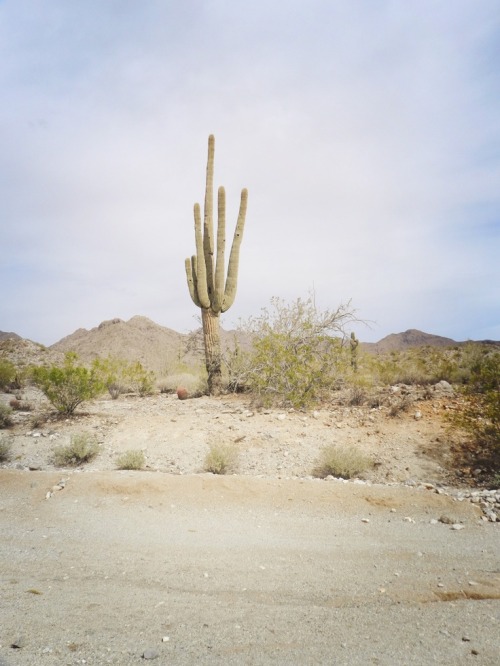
(267,566)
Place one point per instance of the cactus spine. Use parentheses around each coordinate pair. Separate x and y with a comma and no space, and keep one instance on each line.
(208,285)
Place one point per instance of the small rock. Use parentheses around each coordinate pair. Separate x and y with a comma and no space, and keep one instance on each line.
(447,520)
(457,526)
(20,642)
(418,415)
(150,654)
(365,520)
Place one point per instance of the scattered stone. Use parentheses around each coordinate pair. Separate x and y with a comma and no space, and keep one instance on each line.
(407,519)
(19,642)
(457,527)
(418,415)
(150,654)
(365,520)
(447,520)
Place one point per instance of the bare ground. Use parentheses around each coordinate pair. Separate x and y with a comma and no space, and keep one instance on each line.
(267,566)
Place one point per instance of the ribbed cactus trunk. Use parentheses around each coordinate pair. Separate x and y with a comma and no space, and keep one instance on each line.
(205,271)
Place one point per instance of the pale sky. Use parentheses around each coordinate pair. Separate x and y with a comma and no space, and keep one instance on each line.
(366,131)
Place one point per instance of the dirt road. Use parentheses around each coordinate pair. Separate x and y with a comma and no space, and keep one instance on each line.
(120,567)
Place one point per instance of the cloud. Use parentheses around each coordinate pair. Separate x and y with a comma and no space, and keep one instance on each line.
(366,134)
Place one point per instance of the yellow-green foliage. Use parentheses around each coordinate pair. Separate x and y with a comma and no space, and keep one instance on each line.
(341,461)
(298,353)
(69,385)
(5,450)
(7,373)
(479,415)
(221,459)
(120,376)
(133,459)
(83,448)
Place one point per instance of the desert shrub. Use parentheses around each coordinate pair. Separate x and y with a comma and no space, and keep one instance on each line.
(298,353)
(5,416)
(82,448)
(133,459)
(195,385)
(400,405)
(341,461)
(120,376)
(5,450)
(7,373)
(69,385)
(221,459)
(479,414)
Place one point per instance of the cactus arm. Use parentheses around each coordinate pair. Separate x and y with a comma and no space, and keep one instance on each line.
(192,280)
(218,297)
(201,267)
(208,224)
(234,257)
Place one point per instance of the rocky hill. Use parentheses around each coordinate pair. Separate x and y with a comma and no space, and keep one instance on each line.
(406,340)
(9,336)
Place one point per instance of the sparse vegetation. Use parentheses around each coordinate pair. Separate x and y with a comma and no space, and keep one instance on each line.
(221,459)
(133,459)
(120,376)
(69,385)
(478,416)
(195,385)
(299,355)
(7,373)
(82,449)
(5,416)
(5,450)
(341,461)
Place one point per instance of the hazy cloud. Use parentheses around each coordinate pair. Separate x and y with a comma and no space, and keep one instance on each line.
(368,135)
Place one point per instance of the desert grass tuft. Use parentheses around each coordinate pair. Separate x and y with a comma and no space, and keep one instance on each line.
(82,449)
(5,450)
(221,459)
(341,461)
(132,459)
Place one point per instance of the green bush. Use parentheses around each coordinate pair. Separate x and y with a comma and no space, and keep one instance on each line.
(298,355)
(133,459)
(5,416)
(479,415)
(221,459)
(69,385)
(5,450)
(7,373)
(341,461)
(120,376)
(82,448)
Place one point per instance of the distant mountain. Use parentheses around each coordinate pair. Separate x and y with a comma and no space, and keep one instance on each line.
(406,340)
(138,339)
(9,336)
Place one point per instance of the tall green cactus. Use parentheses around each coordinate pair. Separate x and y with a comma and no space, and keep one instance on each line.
(208,286)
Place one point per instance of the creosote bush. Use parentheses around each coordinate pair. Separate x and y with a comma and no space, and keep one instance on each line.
(221,459)
(82,449)
(479,415)
(299,353)
(132,459)
(341,461)
(69,385)
(5,450)
(7,373)
(5,416)
(120,376)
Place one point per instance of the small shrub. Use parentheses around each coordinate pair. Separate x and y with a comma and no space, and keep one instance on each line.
(133,459)
(5,416)
(69,385)
(340,461)
(221,459)
(5,450)
(7,373)
(194,384)
(83,448)
(402,404)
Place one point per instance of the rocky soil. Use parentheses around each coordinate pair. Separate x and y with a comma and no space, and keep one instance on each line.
(267,565)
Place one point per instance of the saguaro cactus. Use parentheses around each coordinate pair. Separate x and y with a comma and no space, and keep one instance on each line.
(209,287)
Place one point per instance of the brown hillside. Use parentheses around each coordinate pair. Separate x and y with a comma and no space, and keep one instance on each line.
(406,340)
(138,339)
